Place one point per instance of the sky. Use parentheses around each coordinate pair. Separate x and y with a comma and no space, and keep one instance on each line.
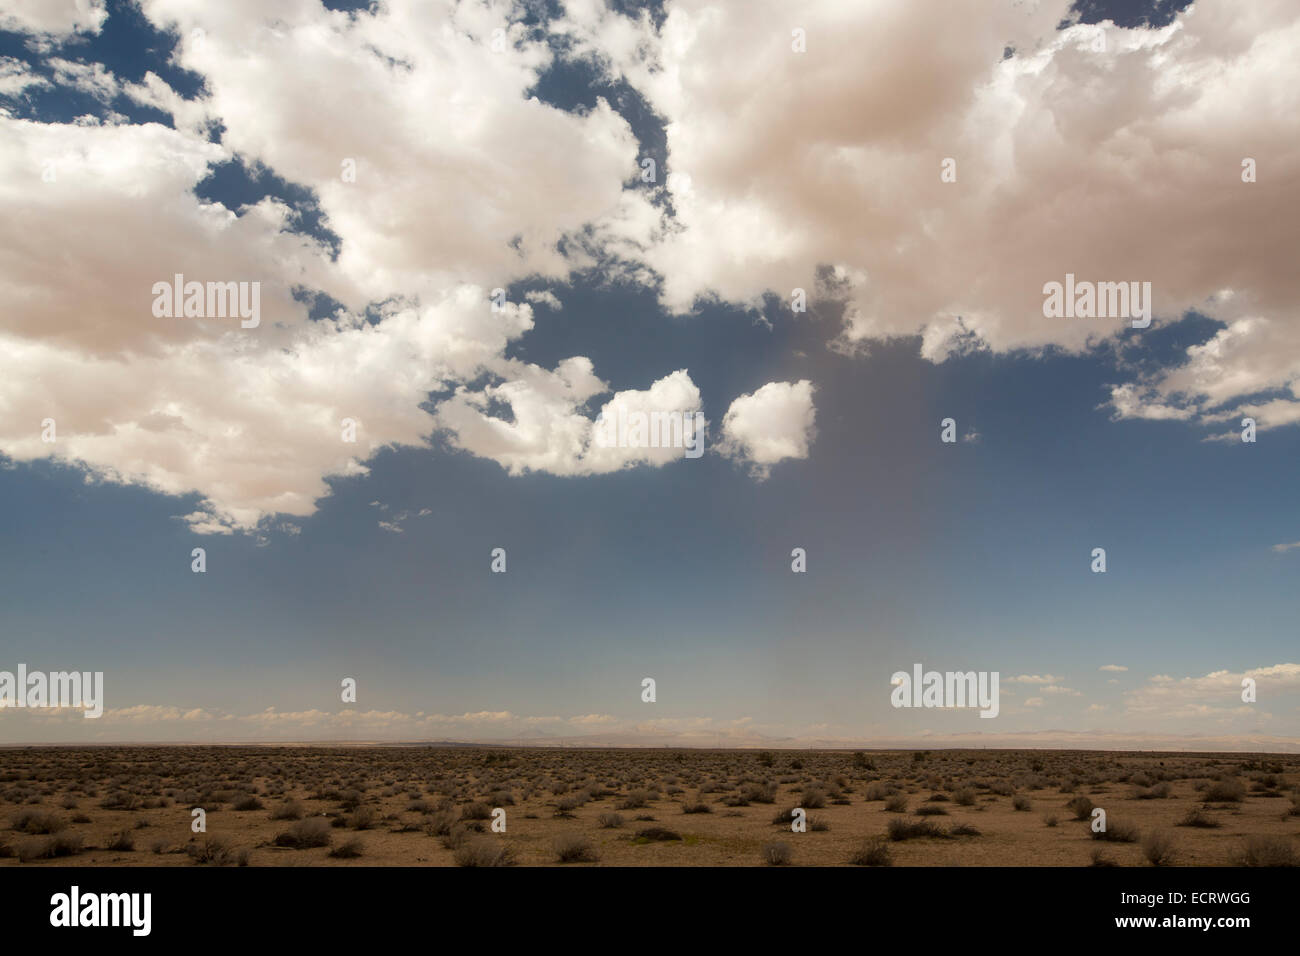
(476,226)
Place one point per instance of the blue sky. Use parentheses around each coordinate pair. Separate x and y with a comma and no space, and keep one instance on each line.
(973,555)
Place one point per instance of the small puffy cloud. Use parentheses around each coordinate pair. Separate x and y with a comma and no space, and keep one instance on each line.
(1130,401)
(549,430)
(770,425)
(1112,667)
(1032,679)
(1057,689)
(1283,548)
(1034,702)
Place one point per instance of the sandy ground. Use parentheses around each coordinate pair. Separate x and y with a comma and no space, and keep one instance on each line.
(409,806)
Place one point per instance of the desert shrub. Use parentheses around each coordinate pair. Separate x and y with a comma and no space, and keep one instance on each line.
(813,798)
(696,806)
(965,797)
(1158,848)
(905,829)
(574,848)
(635,800)
(441,823)
(873,852)
(51,847)
(249,802)
(818,825)
(758,792)
(1099,858)
(363,819)
(215,850)
(1267,851)
(37,821)
(305,834)
(1196,817)
(1225,791)
(896,804)
(610,821)
(1021,802)
(348,850)
(656,835)
(458,835)
(1159,792)
(964,829)
(476,811)
(1117,831)
(484,851)
(783,817)
(1050,819)
(121,800)
(289,810)
(122,841)
(930,810)
(1081,807)
(776,854)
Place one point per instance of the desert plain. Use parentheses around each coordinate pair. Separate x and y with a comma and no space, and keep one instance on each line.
(489,806)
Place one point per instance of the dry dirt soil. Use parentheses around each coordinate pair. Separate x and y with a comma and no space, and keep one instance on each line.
(434,806)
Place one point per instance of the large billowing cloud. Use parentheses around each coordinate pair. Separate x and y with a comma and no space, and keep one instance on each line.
(1109,153)
(459,175)
(443,179)
(462,184)
(250,419)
